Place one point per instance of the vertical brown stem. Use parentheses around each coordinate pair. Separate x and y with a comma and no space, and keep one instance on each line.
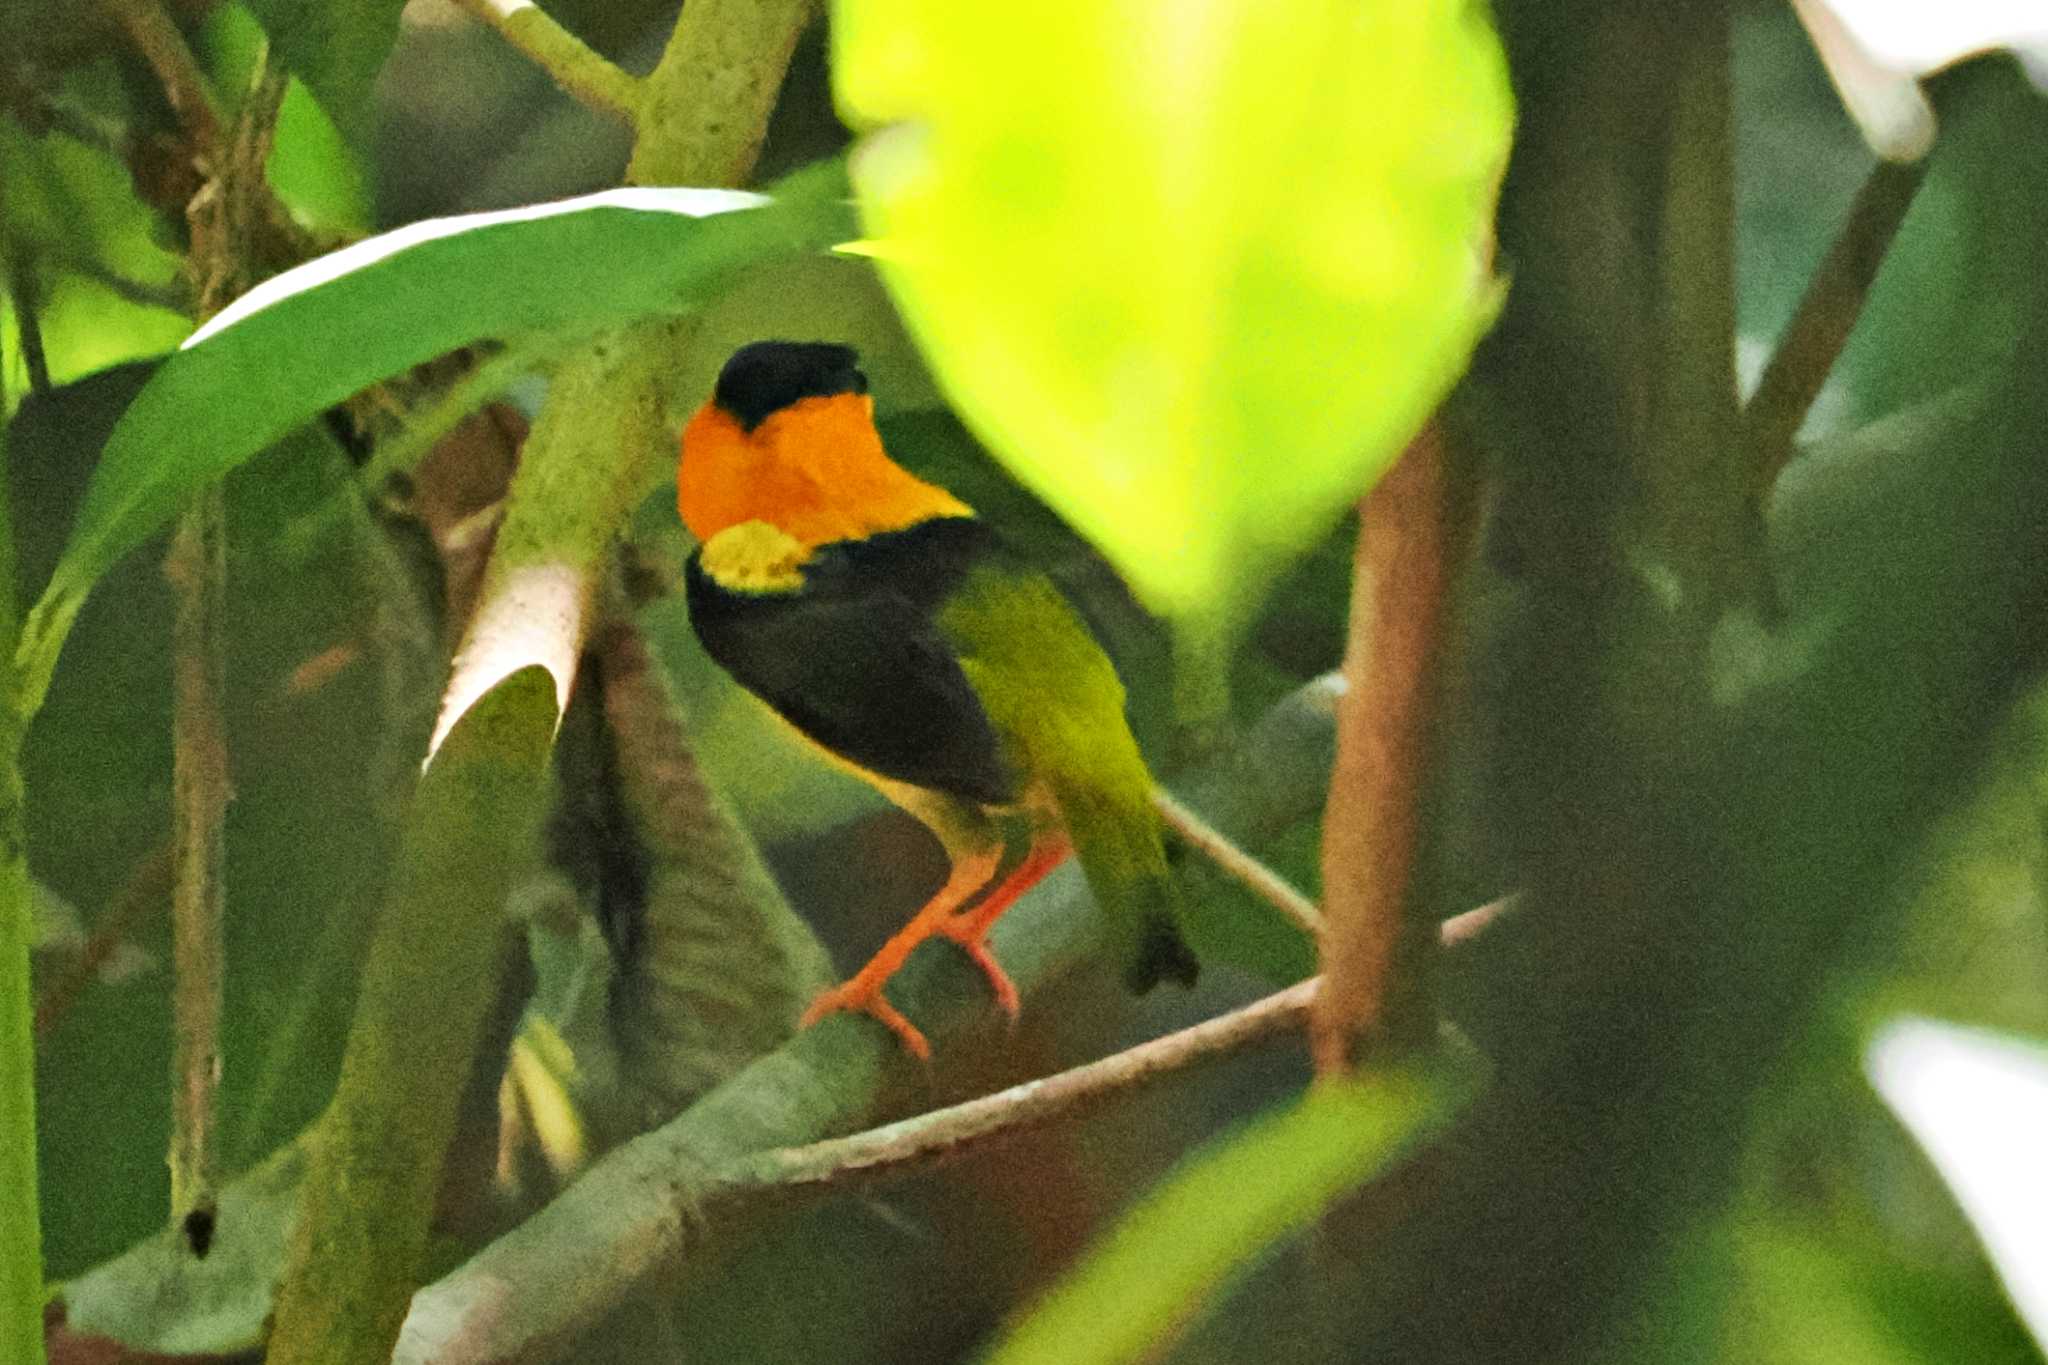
(1406,546)
(225,218)
(197,568)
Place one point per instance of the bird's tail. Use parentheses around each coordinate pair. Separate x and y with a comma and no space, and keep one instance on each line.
(1119,839)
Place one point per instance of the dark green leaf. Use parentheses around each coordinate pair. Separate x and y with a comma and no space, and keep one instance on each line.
(335,47)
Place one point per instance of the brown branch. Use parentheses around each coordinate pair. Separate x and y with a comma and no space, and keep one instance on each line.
(892,1151)
(932,1139)
(1827,313)
(1255,876)
(197,569)
(225,217)
(155,35)
(148,887)
(942,1135)
(1408,543)
(582,73)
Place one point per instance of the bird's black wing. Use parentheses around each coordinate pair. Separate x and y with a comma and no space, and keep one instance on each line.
(852,659)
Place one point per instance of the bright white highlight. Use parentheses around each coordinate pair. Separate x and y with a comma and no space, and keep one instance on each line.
(1977,1102)
(530,615)
(1921,37)
(689,203)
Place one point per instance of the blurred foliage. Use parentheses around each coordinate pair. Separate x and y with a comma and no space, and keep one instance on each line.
(1741,853)
(1285,199)
(1230,1204)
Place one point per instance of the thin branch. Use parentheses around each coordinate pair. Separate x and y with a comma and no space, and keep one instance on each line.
(677,1206)
(581,72)
(148,888)
(156,36)
(197,569)
(1255,876)
(222,217)
(172,297)
(21,287)
(423,430)
(932,1139)
(1827,313)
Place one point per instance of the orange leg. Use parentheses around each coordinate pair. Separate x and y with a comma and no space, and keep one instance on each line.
(969,928)
(862,993)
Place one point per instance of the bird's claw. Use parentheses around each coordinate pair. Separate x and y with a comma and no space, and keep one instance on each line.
(858,997)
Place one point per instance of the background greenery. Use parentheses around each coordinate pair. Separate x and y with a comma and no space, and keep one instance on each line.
(1743,835)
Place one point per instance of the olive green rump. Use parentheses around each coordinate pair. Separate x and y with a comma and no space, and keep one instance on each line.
(1057,707)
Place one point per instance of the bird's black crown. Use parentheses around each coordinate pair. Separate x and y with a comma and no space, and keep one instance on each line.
(764,377)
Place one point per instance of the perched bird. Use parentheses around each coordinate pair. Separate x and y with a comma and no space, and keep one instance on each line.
(882,619)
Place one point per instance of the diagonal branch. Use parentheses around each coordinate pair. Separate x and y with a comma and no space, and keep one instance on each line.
(582,73)
(1827,313)
(1261,880)
(155,34)
(223,261)
(933,1139)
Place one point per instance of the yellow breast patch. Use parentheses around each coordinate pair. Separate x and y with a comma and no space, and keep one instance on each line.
(755,557)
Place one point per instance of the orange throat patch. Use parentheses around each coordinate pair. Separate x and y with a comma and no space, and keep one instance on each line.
(815,470)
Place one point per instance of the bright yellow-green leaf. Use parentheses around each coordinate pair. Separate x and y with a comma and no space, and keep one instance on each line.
(70,219)
(1194,272)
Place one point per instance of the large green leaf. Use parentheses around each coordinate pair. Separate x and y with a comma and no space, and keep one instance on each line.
(308,338)
(1212,1218)
(1194,273)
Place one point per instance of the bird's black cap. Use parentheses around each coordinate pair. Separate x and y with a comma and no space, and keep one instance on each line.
(764,377)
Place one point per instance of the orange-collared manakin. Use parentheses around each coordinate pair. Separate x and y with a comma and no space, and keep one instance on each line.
(885,621)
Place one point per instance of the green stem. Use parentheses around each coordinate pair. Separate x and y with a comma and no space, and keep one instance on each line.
(708,99)
(1695,475)
(582,74)
(21,1264)
(379,1150)
(21,1237)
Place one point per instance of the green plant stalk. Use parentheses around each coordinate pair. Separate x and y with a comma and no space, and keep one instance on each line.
(707,100)
(378,1152)
(1695,471)
(581,73)
(21,1238)
(21,1233)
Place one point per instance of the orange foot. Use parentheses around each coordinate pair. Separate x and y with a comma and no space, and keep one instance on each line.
(856,997)
(942,917)
(862,993)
